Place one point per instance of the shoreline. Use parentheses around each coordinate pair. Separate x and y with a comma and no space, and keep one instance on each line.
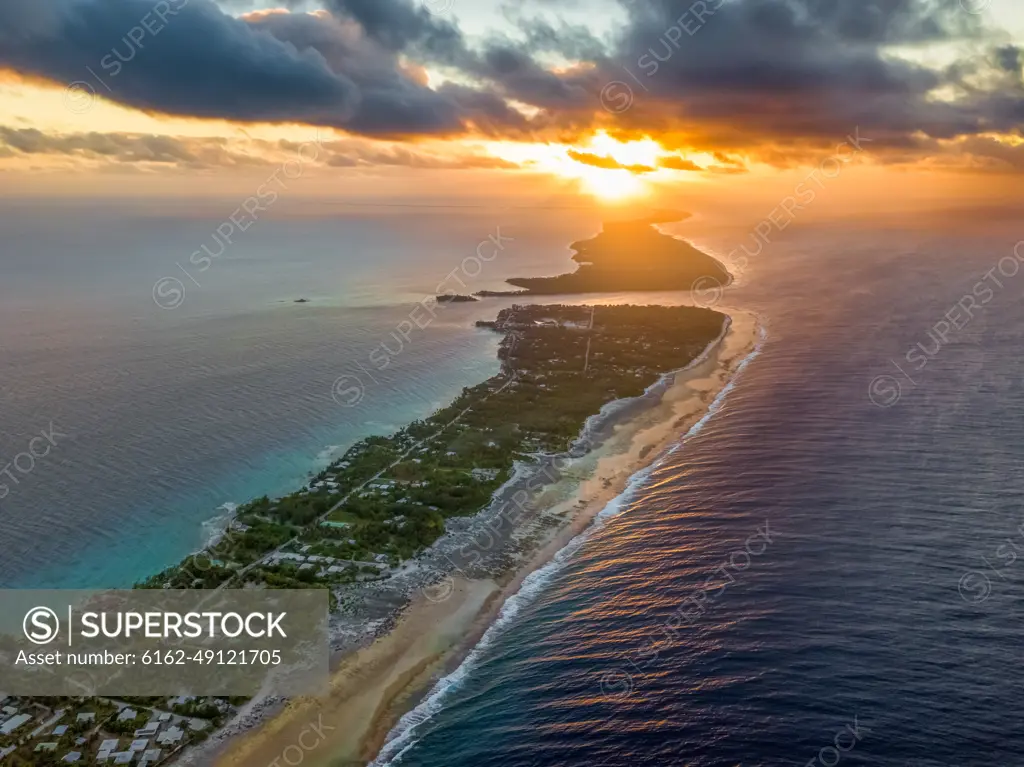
(384,686)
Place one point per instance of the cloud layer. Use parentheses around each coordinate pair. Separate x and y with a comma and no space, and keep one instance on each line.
(766,79)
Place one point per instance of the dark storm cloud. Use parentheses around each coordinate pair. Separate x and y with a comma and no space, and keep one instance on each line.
(187,57)
(398,25)
(745,72)
(177,56)
(389,100)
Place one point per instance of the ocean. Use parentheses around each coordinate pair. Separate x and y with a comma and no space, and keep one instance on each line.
(142,395)
(824,572)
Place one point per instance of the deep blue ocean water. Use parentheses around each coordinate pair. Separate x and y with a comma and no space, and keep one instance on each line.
(815,578)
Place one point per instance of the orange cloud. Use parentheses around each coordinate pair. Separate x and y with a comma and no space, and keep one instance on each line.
(608,163)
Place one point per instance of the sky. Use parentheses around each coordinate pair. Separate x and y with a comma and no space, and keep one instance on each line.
(615,99)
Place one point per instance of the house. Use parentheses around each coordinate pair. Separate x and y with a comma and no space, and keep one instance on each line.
(109,745)
(164,718)
(72,756)
(125,757)
(60,731)
(139,745)
(152,755)
(45,747)
(127,715)
(14,723)
(170,736)
(149,730)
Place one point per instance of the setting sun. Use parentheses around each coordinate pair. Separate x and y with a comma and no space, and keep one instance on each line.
(602,165)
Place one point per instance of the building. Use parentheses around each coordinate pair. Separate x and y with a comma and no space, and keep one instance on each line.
(170,736)
(14,723)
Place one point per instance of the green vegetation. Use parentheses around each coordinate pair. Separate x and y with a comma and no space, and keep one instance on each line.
(631,255)
(389,497)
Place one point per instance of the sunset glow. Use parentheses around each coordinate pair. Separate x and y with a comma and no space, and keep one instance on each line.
(603,166)
(527,382)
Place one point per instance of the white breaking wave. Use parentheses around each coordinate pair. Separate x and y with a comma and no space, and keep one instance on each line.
(214,528)
(403,735)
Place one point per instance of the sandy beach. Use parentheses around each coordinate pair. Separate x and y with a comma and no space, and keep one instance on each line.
(376,682)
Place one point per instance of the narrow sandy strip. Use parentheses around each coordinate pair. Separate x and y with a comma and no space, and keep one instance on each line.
(374,686)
